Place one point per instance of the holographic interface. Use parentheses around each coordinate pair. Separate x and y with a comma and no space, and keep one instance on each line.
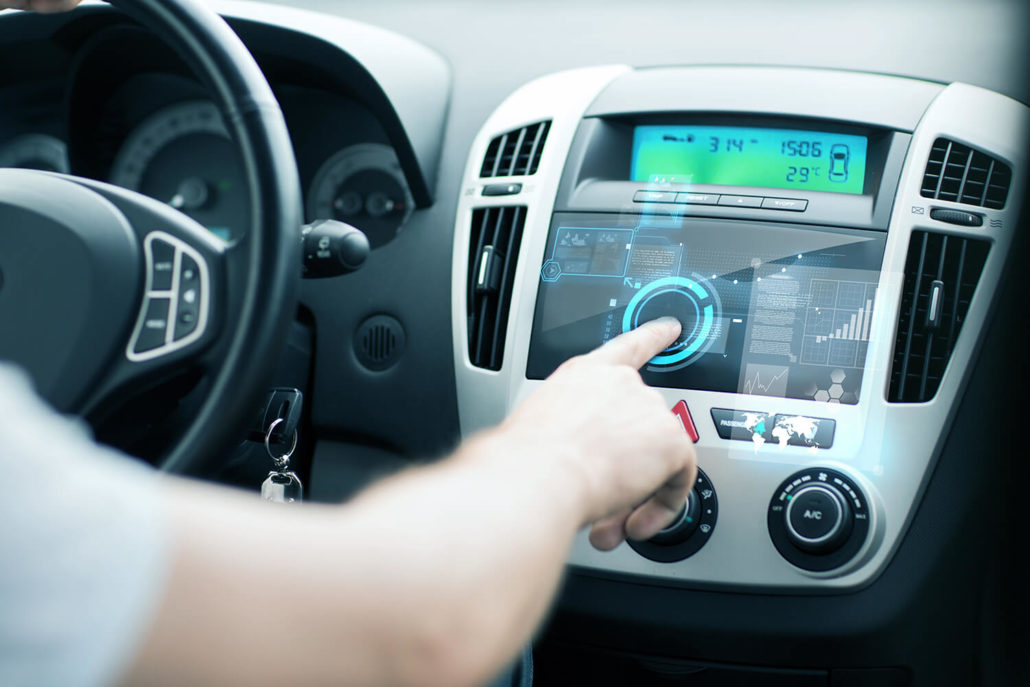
(766,309)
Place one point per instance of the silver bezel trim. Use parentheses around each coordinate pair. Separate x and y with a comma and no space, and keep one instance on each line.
(883,447)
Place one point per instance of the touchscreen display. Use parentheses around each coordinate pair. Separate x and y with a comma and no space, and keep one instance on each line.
(775,310)
(736,156)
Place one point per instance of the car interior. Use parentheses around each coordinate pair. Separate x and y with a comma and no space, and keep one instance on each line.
(357,232)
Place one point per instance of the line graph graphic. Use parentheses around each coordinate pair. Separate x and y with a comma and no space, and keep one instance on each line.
(764,380)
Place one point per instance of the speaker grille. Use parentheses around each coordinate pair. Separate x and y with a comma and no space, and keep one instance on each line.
(379,342)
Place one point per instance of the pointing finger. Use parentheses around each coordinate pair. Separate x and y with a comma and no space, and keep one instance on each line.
(636,347)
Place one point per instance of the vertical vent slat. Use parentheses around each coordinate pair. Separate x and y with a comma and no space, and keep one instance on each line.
(922,350)
(516,152)
(490,159)
(502,145)
(538,147)
(514,167)
(493,257)
(954,316)
(961,174)
(911,319)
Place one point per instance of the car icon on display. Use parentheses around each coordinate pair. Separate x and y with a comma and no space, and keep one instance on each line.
(839,157)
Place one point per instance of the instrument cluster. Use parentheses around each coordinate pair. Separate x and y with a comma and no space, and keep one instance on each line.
(157,136)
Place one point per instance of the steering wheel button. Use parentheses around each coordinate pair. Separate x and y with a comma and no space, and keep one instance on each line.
(187,272)
(154,326)
(186,319)
(161,260)
(185,324)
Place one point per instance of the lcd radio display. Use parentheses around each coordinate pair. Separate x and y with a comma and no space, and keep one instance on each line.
(773,310)
(737,156)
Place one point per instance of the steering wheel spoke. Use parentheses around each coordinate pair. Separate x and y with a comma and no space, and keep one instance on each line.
(181,305)
(105,293)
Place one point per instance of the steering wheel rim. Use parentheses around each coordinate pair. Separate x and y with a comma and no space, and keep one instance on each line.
(272,243)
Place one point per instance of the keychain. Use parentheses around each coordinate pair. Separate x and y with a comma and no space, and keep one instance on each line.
(281,485)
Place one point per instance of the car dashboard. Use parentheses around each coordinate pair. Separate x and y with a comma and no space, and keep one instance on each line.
(837,221)
(146,124)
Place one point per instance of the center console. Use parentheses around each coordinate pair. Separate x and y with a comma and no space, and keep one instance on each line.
(830,242)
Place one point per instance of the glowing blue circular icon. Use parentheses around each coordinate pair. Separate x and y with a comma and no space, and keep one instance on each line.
(688,301)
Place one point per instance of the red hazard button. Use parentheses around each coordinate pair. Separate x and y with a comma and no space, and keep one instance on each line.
(681,411)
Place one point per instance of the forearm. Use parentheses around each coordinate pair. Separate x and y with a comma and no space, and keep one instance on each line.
(438,574)
(485,551)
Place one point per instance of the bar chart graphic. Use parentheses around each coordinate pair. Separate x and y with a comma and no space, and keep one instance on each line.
(837,323)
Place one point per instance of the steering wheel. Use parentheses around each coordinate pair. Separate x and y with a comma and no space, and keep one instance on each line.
(104,292)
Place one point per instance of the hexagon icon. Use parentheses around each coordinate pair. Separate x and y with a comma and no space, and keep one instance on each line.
(550,271)
(822,395)
(836,391)
(837,376)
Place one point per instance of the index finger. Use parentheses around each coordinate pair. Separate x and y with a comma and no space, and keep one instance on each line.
(636,347)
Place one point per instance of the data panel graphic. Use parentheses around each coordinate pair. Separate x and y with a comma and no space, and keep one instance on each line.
(771,310)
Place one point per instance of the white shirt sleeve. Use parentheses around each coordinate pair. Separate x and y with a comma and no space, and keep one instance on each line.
(84,548)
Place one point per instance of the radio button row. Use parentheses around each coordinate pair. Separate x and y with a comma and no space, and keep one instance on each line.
(697,198)
(792,204)
(725,200)
(654,197)
(741,201)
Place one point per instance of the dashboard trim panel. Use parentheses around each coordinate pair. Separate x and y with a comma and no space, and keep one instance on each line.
(881,446)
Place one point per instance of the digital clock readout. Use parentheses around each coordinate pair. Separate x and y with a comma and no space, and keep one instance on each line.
(737,156)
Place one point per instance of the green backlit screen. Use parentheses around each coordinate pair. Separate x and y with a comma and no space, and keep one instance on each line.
(737,156)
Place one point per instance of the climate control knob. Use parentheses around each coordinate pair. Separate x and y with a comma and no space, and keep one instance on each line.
(818,519)
(689,531)
(683,525)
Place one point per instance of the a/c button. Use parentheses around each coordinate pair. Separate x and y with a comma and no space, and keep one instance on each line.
(815,515)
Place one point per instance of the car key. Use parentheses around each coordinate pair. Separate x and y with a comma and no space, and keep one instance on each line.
(282,484)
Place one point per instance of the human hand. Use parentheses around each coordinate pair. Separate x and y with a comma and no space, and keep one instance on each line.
(39,5)
(595,412)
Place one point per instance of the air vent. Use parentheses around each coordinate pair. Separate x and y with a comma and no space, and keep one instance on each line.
(493,254)
(516,153)
(958,173)
(941,274)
